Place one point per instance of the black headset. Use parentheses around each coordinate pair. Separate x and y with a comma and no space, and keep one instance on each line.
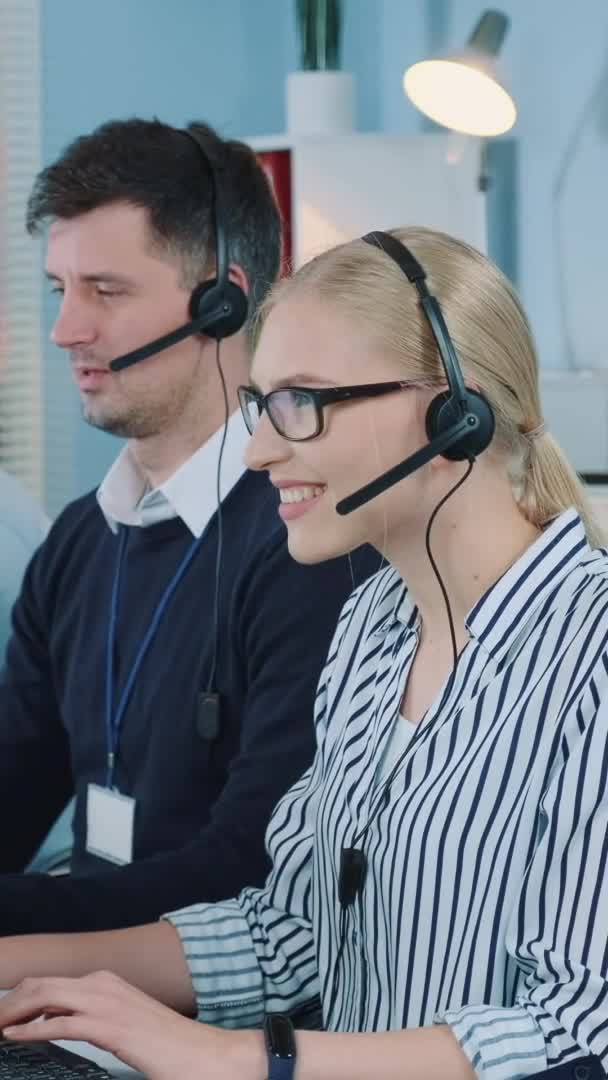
(459,422)
(217,307)
(460,426)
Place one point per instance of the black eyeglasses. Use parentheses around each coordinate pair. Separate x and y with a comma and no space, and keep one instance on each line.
(296,412)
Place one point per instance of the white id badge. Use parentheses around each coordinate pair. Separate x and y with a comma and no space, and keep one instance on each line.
(110,818)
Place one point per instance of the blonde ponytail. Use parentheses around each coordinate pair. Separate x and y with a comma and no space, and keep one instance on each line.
(549,485)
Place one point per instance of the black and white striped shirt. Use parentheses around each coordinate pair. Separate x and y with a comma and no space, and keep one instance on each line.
(486,898)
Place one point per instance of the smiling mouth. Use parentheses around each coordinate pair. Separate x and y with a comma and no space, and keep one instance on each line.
(302,493)
(299,499)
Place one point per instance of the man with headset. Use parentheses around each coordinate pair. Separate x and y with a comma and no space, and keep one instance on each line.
(164,655)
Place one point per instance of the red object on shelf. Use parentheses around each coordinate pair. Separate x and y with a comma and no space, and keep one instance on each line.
(277,165)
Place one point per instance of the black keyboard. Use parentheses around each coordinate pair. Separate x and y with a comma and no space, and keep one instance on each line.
(44,1061)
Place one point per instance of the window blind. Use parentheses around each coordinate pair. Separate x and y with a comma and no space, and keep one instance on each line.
(21,414)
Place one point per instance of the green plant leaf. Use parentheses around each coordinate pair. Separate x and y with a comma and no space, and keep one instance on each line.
(319,32)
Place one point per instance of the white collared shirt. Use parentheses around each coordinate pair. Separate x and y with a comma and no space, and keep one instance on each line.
(190,493)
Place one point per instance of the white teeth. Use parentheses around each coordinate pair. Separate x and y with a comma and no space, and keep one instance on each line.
(300,494)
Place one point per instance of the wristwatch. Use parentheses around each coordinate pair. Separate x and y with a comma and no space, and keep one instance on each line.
(280,1041)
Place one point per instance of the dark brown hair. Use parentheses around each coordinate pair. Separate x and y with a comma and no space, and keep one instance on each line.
(152,165)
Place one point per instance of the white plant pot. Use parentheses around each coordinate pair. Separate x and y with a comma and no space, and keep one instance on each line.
(320,102)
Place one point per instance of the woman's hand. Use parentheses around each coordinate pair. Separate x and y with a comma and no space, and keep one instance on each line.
(105,1010)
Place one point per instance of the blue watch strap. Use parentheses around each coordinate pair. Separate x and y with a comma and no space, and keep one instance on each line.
(280,1046)
(281,1068)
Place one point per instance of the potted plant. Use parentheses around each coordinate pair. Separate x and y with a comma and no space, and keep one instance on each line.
(319,97)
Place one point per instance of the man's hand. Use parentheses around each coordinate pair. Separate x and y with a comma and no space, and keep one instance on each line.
(113,1015)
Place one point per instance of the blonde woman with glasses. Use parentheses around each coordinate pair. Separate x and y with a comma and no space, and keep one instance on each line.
(440,879)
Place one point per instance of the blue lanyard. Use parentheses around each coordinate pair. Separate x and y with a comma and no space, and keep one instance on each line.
(114,718)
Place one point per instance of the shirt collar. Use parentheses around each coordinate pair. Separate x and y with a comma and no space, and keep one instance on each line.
(395,605)
(190,493)
(501,613)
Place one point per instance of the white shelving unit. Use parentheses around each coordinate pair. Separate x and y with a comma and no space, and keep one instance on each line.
(345,185)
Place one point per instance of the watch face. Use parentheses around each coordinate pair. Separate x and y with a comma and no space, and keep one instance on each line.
(280,1039)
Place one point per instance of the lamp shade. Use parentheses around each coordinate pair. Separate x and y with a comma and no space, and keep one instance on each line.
(462,90)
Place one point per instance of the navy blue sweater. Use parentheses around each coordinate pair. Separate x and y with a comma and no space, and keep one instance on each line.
(202,804)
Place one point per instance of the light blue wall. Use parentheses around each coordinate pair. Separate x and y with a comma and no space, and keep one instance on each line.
(225,61)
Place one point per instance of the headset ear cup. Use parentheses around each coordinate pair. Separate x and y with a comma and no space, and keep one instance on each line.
(225,308)
(441,415)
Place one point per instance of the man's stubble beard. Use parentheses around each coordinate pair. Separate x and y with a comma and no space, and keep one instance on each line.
(148,417)
(133,423)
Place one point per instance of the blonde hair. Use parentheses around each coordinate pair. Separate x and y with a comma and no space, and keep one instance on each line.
(492,338)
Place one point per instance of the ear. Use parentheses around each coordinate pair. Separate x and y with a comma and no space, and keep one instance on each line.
(239,277)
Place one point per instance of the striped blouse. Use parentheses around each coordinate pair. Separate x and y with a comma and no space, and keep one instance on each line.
(485,904)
